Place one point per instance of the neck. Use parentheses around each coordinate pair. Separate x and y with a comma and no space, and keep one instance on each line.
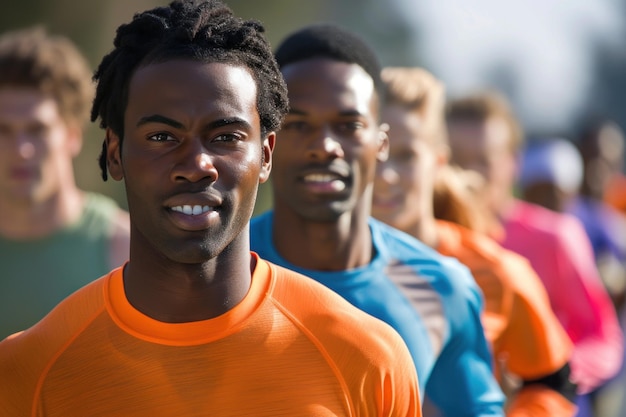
(28,219)
(425,230)
(176,292)
(342,244)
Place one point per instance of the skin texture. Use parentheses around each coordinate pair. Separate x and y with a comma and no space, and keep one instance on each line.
(325,164)
(192,137)
(484,146)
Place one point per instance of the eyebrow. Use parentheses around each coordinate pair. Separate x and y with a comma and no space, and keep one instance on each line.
(345,113)
(157,118)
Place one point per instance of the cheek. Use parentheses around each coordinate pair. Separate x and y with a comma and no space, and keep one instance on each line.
(245,169)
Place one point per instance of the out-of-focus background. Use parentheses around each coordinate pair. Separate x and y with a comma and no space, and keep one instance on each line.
(559,62)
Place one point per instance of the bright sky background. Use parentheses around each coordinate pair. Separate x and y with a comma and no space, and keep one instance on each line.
(542,45)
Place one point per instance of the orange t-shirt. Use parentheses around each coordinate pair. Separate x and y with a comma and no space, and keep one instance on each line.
(526,336)
(290,348)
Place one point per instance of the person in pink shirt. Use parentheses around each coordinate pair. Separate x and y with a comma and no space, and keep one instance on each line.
(485,137)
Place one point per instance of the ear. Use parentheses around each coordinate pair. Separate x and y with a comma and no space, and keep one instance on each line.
(267,147)
(114,158)
(443,155)
(383,142)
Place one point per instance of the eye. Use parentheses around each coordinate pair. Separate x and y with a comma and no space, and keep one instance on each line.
(228,137)
(37,129)
(295,126)
(161,137)
(350,126)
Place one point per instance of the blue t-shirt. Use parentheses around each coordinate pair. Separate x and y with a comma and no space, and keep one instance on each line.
(431,300)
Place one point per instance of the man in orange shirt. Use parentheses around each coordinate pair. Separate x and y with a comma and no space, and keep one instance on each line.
(527,339)
(194,324)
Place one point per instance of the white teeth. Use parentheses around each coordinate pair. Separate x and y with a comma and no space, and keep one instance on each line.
(191,210)
(330,180)
(320,178)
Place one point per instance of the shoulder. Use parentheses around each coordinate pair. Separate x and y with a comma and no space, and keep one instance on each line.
(451,279)
(533,220)
(328,316)
(62,321)
(395,244)
(367,353)
(25,356)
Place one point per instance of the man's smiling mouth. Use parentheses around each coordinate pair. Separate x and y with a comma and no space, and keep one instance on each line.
(192,210)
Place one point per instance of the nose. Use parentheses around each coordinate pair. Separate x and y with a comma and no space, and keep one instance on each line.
(194,164)
(325,146)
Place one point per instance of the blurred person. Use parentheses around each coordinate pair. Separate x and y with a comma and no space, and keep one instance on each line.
(555,175)
(527,339)
(456,198)
(601,145)
(615,192)
(195,324)
(601,206)
(485,136)
(323,175)
(552,173)
(54,237)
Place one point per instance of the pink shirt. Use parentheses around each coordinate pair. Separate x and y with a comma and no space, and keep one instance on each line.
(560,252)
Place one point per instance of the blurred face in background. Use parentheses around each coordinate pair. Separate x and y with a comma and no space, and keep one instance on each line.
(403,189)
(38,146)
(603,156)
(485,147)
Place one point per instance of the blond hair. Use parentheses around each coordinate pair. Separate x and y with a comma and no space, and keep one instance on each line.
(417,90)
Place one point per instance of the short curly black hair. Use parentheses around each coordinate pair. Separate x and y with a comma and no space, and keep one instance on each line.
(200,30)
(328,40)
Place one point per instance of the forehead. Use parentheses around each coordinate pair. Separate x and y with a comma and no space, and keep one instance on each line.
(326,84)
(488,133)
(405,125)
(26,103)
(192,86)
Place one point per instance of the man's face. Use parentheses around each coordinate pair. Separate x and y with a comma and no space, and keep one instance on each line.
(328,147)
(485,147)
(192,158)
(403,189)
(38,146)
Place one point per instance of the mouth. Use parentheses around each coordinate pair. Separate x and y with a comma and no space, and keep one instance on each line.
(325,182)
(195,211)
(192,210)
(386,203)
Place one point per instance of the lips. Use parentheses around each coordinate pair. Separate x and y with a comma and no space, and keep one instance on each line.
(386,203)
(22,173)
(333,178)
(194,211)
(325,182)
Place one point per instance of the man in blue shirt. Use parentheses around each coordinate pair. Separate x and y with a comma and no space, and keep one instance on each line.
(324,165)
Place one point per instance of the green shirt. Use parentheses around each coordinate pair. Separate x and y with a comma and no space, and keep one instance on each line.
(35,275)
